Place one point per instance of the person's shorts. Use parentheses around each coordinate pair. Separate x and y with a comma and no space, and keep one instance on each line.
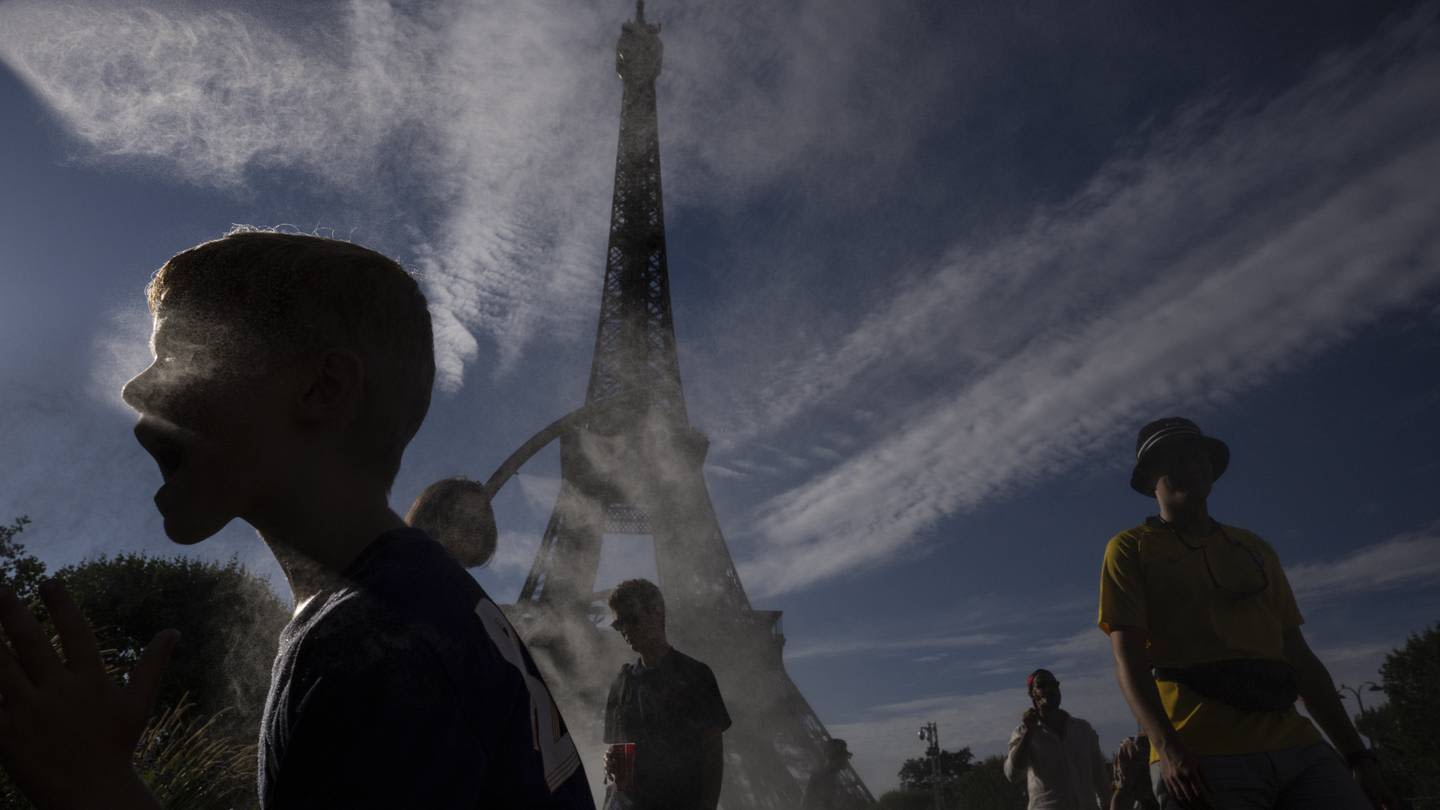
(1307,777)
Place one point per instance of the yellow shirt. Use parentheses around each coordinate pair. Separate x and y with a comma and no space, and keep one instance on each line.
(1190,597)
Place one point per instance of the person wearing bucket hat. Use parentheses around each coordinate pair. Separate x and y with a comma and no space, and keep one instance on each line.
(1209,654)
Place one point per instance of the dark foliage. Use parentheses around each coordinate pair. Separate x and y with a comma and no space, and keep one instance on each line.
(1406,730)
(907,800)
(198,752)
(984,787)
(919,774)
(229,622)
(965,785)
(18,569)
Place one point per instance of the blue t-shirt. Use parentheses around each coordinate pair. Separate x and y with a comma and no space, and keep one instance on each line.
(405,686)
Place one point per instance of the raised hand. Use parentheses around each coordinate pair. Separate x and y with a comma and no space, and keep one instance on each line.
(1129,768)
(1030,719)
(67,729)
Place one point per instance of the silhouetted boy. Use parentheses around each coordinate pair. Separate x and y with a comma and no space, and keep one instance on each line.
(290,372)
(1209,652)
(669,706)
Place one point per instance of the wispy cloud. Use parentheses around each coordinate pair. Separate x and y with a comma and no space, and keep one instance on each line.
(1242,239)
(836,647)
(482,133)
(1408,559)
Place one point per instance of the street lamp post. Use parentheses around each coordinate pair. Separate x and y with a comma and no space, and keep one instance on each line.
(1367,686)
(930,733)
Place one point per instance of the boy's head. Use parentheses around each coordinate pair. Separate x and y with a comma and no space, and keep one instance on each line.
(638,613)
(1175,462)
(276,354)
(1044,689)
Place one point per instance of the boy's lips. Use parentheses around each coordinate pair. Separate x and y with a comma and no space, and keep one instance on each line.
(162,443)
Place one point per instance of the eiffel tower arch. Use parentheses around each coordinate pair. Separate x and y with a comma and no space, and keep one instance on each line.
(631,464)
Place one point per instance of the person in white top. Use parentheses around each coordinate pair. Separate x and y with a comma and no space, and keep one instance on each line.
(1059,754)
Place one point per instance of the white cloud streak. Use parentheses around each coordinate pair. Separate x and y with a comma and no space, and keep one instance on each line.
(839,647)
(483,132)
(1409,559)
(1239,241)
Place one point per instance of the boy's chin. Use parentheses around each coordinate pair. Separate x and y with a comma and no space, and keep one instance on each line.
(187,530)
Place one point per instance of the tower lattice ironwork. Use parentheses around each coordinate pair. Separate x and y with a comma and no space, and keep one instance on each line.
(631,464)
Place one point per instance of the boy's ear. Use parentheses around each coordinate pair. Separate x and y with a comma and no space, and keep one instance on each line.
(335,382)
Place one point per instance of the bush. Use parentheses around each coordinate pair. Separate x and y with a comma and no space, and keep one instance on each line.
(198,752)
(1406,730)
(907,800)
(229,622)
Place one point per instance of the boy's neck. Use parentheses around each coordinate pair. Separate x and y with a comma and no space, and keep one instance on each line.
(315,544)
(652,654)
(1188,519)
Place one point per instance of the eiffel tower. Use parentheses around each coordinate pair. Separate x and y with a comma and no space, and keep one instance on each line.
(631,464)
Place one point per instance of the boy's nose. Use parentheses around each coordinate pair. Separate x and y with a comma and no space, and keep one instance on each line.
(139,392)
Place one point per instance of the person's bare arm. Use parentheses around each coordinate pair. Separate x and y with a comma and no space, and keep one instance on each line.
(1322,701)
(1017,755)
(67,730)
(1178,767)
(713,776)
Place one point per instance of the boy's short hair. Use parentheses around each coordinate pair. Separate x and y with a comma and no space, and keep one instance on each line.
(290,294)
(640,593)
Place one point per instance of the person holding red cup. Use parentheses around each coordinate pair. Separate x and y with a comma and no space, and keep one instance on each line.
(664,716)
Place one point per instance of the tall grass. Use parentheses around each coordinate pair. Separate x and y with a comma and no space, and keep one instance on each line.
(189,765)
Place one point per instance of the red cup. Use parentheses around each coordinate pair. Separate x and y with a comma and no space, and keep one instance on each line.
(621,765)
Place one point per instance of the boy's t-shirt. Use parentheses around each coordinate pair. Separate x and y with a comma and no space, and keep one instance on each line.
(666,710)
(1190,597)
(405,686)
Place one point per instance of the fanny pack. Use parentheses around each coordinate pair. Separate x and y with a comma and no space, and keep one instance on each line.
(1248,684)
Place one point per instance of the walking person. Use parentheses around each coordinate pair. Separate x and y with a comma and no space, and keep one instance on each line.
(1058,753)
(668,706)
(1209,653)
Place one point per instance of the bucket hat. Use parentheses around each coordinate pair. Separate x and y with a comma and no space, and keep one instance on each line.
(1168,430)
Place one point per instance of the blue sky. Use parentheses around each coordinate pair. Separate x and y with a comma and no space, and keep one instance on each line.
(932,266)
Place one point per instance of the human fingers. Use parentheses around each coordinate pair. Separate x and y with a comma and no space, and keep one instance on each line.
(145,678)
(82,654)
(27,637)
(1171,778)
(1199,790)
(1185,789)
(15,685)
(1202,783)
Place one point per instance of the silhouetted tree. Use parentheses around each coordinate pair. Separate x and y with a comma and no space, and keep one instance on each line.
(19,569)
(907,800)
(1406,729)
(918,774)
(229,622)
(1379,726)
(984,787)
(199,750)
